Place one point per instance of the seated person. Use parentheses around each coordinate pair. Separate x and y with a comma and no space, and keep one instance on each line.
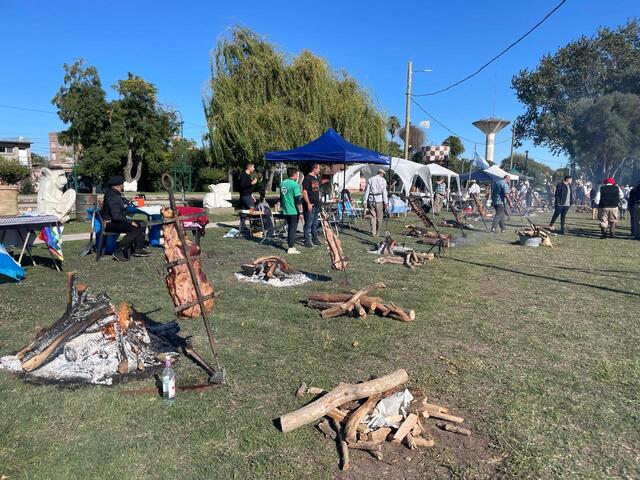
(115,221)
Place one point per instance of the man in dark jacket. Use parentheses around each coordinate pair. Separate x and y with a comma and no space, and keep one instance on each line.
(115,221)
(608,198)
(499,193)
(564,200)
(634,211)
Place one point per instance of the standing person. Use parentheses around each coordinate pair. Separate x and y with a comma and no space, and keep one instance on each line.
(246,190)
(549,188)
(291,204)
(499,192)
(592,199)
(439,194)
(311,196)
(115,221)
(608,198)
(375,196)
(564,200)
(634,210)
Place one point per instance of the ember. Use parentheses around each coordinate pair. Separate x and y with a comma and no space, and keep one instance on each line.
(89,343)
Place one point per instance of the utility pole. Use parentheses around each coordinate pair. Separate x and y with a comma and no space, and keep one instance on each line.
(513,142)
(526,161)
(407,117)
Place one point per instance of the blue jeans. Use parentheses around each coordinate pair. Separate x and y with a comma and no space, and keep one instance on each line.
(246,203)
(561,210)
(311,224)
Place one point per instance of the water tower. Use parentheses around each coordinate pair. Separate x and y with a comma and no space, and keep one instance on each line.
(490,126)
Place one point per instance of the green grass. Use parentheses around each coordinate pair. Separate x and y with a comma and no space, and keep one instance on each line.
(536,348)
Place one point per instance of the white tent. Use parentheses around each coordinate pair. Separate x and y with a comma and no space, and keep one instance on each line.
(439,171)
(496,170)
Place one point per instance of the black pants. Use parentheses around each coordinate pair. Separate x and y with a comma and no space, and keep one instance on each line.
(562,211)
(292,229)
(246,203)
(134,235)
(498,218)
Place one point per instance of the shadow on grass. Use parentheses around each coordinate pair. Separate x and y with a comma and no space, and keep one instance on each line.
(604,273)
(544,277)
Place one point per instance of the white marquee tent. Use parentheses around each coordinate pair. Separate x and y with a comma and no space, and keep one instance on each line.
(496,170)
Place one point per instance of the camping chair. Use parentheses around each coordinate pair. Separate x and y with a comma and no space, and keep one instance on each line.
(349,214)
(104,240)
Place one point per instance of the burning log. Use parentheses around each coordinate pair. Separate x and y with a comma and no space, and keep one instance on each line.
(268,267)
(179,282)
(82,310)
(334,245)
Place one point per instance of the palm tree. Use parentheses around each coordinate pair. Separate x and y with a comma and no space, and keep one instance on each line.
(393,124)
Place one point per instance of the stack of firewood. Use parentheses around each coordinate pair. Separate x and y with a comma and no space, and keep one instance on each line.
(536,231)
(267,267)
(334,245)
(428,237)
(358,304)
(400,255)
(349,416)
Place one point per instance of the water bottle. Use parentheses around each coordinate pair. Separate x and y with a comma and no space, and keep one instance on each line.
(168,383)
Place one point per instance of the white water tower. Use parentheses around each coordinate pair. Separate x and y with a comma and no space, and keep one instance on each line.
(490,126)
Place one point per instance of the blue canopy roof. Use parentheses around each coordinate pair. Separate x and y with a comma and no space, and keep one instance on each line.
(479,176)
(329,148)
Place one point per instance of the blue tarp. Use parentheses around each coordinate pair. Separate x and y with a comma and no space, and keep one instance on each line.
(9,268)
(479,176)
(329,148)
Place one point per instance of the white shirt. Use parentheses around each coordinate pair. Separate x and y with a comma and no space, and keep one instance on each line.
(376,191)
(597,198)
(474,189)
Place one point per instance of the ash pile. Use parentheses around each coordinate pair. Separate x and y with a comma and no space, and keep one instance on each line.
(91,343)
(272,270)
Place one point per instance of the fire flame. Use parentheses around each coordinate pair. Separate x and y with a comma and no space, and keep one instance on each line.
(124,320)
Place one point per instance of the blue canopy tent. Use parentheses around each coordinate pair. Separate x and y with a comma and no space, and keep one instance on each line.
(330,147)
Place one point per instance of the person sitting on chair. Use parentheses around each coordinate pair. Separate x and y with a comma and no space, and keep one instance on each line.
(115,221)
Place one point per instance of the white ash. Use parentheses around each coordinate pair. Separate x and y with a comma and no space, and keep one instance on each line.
(283,280)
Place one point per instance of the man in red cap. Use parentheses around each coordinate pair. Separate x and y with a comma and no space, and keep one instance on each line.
(608,198)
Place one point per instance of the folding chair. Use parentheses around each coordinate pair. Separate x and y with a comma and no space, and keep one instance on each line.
(104,240)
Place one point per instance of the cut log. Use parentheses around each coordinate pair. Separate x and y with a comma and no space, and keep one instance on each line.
(380,435)
(339,395)
(370,303)
(342,446)
(356,417)
(414,442)
(325,428)
(454,428)
(301,390)
(334,245)
(422,405)
(405,428)
(398,313)
(350,304)
(370,446)
(443,416)
(322,305)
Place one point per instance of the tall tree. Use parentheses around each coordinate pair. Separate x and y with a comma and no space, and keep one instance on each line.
(456,148)
(528,166)
(393,124)
(148,127)
(557,93)
(261,100)
(416,137)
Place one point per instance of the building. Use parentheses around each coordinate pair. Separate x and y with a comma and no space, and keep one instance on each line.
(60,155)
(17,148)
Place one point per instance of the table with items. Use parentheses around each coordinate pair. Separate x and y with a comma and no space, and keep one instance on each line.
(20,231)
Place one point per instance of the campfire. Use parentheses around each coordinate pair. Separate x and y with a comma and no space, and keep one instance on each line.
(428,237)
(271,270)
(363,416)
(535,231)
(90,343)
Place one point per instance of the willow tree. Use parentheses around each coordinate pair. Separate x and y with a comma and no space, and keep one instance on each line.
(260,99)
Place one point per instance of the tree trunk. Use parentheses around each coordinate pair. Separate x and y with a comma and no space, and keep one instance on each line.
(138,170)
(129,166)
(230,178)
(268,186)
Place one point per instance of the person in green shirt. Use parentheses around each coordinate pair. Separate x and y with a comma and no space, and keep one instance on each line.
(291,203)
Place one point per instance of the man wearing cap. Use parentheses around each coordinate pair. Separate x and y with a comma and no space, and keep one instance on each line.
(375,196)
(608,198)
(115,221)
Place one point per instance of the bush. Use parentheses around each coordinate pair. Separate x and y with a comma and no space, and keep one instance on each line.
(208,175)
(26,187)
(11,172)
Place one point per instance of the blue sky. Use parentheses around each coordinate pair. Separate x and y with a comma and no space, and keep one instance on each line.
(169,43)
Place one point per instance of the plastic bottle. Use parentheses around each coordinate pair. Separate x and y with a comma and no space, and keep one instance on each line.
(168,383)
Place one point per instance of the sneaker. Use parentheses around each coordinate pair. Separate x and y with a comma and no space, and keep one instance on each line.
(119,256)
(316,242)
(142,253)
(503,231)
(493,230)
(293,251)
(308,244)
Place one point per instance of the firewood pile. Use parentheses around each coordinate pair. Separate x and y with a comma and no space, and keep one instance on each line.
(271,270)
(428,237)
(536,231)
(358,304)
(91,342)
(400,255)
(364,416)
(334,245)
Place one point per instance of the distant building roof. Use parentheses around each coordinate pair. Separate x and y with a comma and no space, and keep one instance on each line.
(22,140)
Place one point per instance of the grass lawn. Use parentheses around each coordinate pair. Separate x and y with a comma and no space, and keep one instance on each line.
(536,348)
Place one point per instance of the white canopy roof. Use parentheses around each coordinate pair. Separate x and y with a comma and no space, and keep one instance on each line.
(496,170)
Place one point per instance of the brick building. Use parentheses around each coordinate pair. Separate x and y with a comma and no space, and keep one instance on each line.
(60,155)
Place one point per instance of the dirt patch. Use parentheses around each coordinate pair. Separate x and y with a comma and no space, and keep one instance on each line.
(451,455)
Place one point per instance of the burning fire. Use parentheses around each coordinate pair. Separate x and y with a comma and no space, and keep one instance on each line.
(124,320)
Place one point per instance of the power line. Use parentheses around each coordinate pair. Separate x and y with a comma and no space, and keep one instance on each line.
(443,125)
(28,109)
(468,77)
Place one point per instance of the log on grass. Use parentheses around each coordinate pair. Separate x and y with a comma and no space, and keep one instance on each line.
(339,395)
(342,446)
(356,417)
(349,305)
(454,428)
(379,435)
(443,416)
(370,303)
